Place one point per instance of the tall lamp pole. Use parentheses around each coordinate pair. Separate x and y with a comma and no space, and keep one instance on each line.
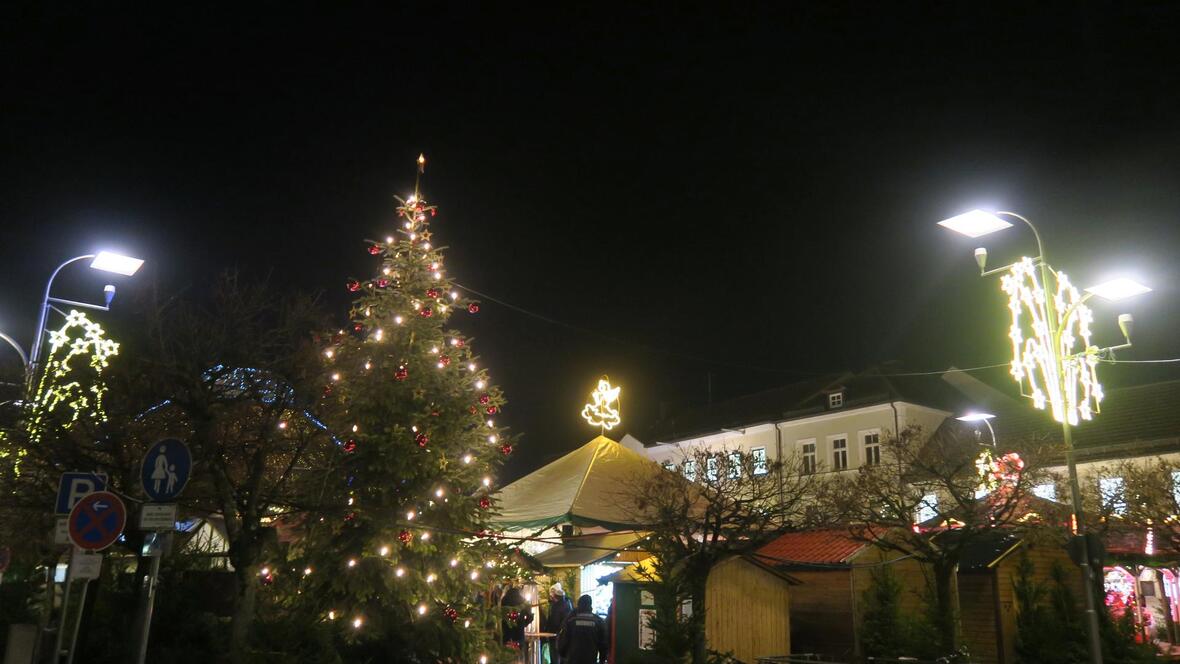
(1049,362)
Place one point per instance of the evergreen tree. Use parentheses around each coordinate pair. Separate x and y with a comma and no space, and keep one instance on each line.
(402,568)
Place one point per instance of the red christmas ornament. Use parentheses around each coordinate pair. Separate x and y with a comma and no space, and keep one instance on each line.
(350,446)
(401,373)
(459,343)
(357,327)
(472,409)
(434,413)
(374,249)
(432,292)
(382,282)
(485,502)
(422,439)
(445,361)
(425,312)
(492,410)
(473,308)
(506,449)
(405,536)
(350,516)
(354,285)
(433,211)
(451,613)
(483,398)
(327,390)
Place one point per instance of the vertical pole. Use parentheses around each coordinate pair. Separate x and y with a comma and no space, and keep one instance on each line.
(61,619)
(78,622)
(1087,569)
(147,598)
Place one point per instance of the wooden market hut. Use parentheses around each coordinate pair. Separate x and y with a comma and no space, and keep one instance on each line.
(747,610)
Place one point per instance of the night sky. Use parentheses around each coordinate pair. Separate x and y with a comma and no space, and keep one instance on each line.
(672,194)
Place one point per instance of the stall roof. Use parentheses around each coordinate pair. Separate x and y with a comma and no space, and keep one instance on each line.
(586,549)
(586,487)
(829,546)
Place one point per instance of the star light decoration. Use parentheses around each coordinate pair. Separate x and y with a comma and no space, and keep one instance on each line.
(599,412)
(995,472)
(1062,371)
(60,386)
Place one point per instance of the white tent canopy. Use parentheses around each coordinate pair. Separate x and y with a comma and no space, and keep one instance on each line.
(587,487)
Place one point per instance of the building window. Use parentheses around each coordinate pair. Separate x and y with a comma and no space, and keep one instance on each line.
(927,509)
(711,469)
(759,454)
(1112,491)
(1048,491)
(668,465)
(735,465)
(1176,487)
(809,458)
(835,400)
(690,470)
(872,448)
(839,453)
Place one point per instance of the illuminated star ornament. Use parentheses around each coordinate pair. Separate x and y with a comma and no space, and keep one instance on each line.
(1070,386)
(600,412)
(72,378)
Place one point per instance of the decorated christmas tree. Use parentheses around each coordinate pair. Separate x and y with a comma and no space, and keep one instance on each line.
(401,565)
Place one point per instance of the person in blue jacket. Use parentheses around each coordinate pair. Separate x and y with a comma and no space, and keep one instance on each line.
(583,637)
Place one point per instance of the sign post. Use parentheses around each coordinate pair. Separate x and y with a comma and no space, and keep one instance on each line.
(164,474)
(96,521)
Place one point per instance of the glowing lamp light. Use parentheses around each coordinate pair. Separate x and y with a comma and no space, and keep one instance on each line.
(454,562)
(306,571)
(421,609)
(399,572)
(600,412)
(975,223)
(119,264)
(975,417)
(1118,289)
(357,622)
(384,551)
(352,562)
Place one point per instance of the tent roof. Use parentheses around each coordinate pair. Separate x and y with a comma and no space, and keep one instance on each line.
(587,549)
(585,487)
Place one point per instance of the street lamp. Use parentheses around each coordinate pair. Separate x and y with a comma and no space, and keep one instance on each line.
(106,261)
(1052,357)
(980,417)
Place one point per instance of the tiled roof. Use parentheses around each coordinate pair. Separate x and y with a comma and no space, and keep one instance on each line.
(829,546)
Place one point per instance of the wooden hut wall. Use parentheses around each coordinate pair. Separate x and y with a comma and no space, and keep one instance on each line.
(747,611)
(822,612)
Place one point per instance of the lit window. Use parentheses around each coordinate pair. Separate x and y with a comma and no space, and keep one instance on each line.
(759,454)
(872,449)
(835,399)
(1113,498)
(690,470)
(735,465)
(711,469)
(1176,487)
(668,465)
(809,458)
(839,453)
(1048,491)
(927,509)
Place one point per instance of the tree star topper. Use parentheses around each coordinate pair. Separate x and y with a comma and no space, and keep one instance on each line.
(600,412)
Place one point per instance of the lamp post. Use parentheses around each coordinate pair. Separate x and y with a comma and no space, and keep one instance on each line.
(1047,362)
(986,418)
(105,261)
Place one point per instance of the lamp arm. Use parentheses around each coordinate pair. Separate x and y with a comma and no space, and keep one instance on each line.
(1036,233)
(15,346)
(44,314)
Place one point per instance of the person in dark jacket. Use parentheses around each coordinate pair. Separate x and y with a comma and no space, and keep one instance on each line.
(583,637)
(560,608)
(517,615)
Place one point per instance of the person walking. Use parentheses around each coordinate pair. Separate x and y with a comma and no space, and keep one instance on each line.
(583,637)
(560,609)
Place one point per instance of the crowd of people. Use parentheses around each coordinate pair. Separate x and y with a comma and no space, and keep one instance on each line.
(580,636)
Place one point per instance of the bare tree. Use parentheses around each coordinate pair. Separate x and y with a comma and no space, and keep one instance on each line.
(932,497)
(723,503)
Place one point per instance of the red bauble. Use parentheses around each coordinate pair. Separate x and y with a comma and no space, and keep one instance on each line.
(425,312)
(459,343)
(434,413)
(382,282)
(473,308)
(327,390)
(350,516)
(485,502)
(445,361)
(357,327)
(374,249)
(401,373)
(433,211)
(354,285)
(492,410)
(432,292)
(506,449)
(405,536)
(483,398)
(451,613)
(350,446)
(422,439)
(472,409)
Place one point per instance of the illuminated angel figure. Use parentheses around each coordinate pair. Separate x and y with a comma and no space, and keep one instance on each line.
(1052,357)
(600,412)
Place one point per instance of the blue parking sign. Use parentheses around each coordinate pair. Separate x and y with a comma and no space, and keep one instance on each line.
(74,486)
(165,471)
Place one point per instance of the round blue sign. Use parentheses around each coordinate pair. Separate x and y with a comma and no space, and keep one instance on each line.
(97,521)
(166,468)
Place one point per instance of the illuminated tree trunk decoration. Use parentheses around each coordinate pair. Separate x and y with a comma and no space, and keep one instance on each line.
(1052,357)
(70,385)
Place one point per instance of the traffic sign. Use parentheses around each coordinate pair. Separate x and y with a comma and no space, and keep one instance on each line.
(85,565)
(97,521)
(165,470)
(61,530)
(158,517)
(73,486)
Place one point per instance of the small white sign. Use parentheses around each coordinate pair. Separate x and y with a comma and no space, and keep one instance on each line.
(85,565)
(61,530)
(647,635)
(158,517)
